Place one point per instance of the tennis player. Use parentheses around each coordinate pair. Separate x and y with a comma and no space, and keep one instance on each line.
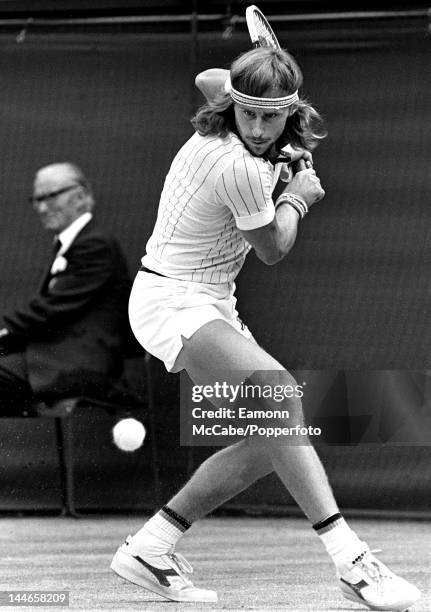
(216,205)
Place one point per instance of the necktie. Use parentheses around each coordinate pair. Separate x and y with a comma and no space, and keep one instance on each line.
(56,246)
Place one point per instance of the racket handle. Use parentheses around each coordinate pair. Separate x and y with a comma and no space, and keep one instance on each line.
(302,164)
(299,165)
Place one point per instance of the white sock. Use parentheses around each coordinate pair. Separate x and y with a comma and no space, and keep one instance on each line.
(160,533)
(341,542)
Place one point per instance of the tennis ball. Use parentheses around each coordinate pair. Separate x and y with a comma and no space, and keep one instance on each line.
(129,434)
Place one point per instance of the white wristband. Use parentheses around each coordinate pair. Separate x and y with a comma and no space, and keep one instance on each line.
(298,203)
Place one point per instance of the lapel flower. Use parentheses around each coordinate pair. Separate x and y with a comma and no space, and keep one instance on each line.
(59,264)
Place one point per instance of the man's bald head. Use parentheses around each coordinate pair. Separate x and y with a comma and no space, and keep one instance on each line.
(61,194)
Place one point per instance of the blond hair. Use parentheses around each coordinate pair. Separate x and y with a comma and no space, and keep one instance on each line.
(254,73)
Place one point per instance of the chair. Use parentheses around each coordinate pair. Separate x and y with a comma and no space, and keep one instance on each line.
(62,411)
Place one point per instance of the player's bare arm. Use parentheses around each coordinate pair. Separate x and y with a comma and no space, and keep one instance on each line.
(274,241)
(211,82)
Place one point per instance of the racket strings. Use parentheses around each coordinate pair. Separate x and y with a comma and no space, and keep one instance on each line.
(264,33)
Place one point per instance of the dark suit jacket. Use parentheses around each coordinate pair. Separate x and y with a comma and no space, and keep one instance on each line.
(73,330)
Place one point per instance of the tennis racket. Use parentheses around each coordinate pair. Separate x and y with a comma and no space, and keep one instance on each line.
(260,31)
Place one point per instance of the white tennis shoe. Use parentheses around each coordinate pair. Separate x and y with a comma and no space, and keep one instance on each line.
(368,581)
(165,575)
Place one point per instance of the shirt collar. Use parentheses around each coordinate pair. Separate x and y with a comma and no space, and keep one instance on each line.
(280,156)
(283,156)
(68,235)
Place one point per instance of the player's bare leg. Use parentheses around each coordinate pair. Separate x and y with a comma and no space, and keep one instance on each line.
(219,478)
(217,347)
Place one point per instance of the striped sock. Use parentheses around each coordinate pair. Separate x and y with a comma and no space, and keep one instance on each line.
(340,541)
(160,533)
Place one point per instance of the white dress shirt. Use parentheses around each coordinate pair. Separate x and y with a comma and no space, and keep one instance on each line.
(66,238)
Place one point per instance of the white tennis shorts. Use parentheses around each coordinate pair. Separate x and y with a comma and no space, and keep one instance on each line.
(162,310)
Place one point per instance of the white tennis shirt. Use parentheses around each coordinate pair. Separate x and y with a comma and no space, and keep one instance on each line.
(214,188)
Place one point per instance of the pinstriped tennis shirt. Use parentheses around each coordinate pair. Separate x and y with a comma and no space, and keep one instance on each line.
(214,188)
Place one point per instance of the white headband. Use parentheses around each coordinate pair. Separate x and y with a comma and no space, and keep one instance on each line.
(254,102)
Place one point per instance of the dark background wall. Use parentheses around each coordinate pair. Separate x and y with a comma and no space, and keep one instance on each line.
(353,293)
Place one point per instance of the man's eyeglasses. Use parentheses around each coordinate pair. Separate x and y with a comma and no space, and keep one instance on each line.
(45,197)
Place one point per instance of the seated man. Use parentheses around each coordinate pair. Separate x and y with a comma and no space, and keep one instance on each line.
(68,338)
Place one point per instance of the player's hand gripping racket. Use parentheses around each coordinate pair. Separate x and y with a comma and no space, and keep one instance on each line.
(260,31)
